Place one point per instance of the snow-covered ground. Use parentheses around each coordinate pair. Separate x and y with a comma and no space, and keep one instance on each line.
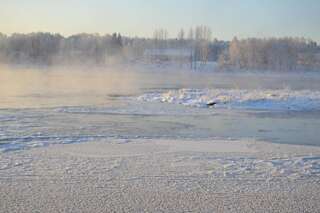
(137,142)
(304,100)
(162,176)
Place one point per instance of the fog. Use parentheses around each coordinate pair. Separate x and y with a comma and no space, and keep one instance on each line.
(60,86)
(189,47)
(89,85)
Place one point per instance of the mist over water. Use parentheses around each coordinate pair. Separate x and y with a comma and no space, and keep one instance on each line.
(73,86)
(43,106)
(27,88)
(106,106)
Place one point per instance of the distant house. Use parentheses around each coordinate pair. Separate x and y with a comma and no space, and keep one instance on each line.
(168,54)
(309,60)
(318,60)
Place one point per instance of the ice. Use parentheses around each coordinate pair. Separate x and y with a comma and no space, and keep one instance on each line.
(20,143)
(132,108)
(284,99)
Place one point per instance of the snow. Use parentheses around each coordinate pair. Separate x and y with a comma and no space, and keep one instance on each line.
(61,155)
(216,158)
(25,129)
(240,99)
(163,175)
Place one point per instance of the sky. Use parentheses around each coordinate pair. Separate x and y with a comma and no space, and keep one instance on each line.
(226,18)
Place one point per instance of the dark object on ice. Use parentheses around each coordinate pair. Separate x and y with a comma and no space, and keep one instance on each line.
(212,103)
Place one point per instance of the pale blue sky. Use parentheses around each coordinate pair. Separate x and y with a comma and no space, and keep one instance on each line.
(227,18)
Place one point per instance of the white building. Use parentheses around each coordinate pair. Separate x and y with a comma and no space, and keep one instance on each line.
(168,54)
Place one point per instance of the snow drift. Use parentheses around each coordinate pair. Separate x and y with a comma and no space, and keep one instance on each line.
(285,99)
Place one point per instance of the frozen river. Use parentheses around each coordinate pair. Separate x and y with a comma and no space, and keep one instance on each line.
(145,140)
(56,106)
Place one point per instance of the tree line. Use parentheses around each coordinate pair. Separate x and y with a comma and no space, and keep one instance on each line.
(280,54)
(195,44)
(49,49)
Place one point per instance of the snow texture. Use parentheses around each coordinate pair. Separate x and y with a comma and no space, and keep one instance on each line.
(303,100)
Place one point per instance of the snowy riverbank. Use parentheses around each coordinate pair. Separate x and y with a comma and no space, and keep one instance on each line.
(162,175)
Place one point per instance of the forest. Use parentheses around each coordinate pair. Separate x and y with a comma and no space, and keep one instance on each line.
(195,45)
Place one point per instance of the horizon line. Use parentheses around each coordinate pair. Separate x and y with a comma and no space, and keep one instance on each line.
(150,37)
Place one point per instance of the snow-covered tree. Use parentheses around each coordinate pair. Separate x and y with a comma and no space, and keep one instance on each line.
(271,54)
(198,46)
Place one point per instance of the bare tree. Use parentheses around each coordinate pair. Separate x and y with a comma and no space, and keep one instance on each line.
(272,54)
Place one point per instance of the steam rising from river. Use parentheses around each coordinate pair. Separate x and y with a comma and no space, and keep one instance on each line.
(88,85)
(20,88)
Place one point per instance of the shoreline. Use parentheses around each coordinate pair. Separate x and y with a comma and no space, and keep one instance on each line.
(161,176)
